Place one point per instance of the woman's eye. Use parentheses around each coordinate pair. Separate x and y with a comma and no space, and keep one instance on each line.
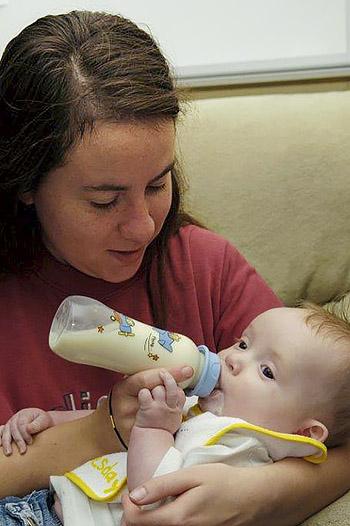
(156,189)
(265,369)
(242,345)
(104,206)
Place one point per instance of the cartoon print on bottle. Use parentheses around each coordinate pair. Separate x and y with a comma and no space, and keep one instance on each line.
(125,324)
(126,328)
(166,338)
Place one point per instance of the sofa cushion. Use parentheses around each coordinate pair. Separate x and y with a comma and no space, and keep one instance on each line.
(272,174)
(336,514)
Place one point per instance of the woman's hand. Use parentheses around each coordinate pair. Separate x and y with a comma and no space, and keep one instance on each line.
(125,394)
(207,495)
(284,493)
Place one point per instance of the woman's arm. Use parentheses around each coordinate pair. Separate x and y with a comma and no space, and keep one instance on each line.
(64,447)
(280,494)
(21,427)
(55,451)
(61,417)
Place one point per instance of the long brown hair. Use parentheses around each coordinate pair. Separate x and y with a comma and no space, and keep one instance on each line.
(57,78)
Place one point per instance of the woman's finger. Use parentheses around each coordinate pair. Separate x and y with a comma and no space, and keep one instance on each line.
(172,512)
(165,486)
(151,378)
(191,490)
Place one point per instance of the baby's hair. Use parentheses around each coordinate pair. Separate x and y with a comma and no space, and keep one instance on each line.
(332,321)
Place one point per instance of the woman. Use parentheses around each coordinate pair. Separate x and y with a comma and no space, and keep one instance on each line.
(91,203)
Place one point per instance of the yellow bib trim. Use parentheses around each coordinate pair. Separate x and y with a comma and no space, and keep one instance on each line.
(316,458)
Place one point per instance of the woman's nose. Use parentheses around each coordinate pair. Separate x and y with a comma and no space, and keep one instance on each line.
(138,226)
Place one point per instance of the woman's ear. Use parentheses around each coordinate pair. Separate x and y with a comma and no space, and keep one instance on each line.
(27,198)
(313,429)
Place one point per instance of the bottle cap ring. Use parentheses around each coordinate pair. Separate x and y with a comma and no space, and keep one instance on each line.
(210,374)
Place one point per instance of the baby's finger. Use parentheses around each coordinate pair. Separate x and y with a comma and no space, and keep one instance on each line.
(39,423)
(6,440)
(171,390)
(21,427)
(18,438)
(1,430)
(144,398)
(158,393)
(181,398)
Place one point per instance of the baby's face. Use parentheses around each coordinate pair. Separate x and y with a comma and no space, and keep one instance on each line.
(272,376)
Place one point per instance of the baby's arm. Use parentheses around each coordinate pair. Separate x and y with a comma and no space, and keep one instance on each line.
(27,422)
(158,418)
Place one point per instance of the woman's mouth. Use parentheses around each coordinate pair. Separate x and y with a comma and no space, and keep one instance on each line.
(127,256)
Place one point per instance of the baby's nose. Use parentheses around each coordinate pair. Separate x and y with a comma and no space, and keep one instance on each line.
(234,364)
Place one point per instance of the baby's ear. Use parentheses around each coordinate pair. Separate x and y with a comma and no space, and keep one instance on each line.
(313,429)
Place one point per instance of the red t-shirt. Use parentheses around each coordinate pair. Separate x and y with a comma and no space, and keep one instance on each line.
(212,296)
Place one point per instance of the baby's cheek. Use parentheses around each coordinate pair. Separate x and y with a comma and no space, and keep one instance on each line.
(213,403)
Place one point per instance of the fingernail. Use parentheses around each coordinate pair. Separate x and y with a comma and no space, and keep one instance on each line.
(138,493)
(187,371)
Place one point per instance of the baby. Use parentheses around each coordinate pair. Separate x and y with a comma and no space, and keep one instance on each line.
(288,374)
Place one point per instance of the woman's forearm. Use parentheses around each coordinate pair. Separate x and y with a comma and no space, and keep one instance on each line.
(299,489)
(60,417)
(63,447)
(55,451)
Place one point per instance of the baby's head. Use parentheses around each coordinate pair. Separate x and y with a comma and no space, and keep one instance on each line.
(290,372)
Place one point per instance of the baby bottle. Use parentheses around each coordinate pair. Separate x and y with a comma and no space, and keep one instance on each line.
(86,331)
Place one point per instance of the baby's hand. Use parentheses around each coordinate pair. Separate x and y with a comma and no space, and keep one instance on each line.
(21,426)
(161,408)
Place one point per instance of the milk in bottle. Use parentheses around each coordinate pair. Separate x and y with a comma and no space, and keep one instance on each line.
(86,331)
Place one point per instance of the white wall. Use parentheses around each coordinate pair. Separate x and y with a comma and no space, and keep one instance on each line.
(218,36)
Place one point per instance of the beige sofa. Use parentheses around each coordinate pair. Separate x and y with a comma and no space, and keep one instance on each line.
(271,172)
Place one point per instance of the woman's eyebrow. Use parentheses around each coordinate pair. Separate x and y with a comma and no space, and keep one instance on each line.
(118,187)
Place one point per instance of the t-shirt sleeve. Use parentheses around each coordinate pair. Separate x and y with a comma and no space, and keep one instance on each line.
(214,293)
(243,296)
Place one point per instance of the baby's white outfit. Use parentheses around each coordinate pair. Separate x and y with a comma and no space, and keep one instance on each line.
(91,494)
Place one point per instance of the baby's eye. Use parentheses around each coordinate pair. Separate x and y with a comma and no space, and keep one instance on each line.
(242,345)
(265,369)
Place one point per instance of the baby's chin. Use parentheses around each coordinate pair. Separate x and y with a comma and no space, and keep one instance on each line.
(213,403)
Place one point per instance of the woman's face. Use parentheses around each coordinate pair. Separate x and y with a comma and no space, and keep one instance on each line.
(101,210)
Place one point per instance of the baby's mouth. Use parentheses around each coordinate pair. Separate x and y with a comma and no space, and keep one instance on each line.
(215,392)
